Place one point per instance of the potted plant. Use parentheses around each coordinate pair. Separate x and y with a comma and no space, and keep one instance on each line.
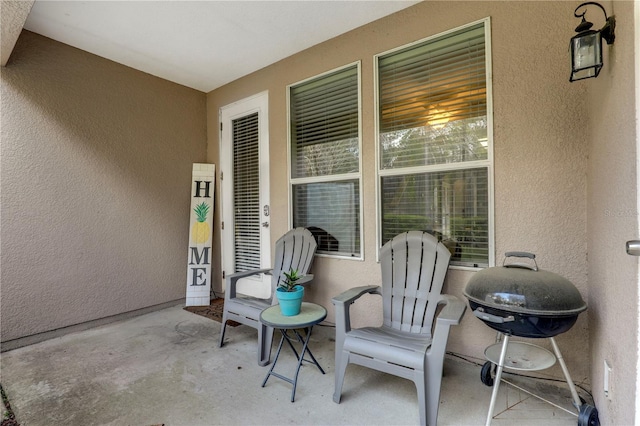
(290,294)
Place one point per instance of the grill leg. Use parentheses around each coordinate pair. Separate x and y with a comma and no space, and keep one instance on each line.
(574,394)
(496,382)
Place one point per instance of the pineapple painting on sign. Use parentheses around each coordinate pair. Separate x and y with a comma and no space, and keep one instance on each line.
(200,229)
(200,226)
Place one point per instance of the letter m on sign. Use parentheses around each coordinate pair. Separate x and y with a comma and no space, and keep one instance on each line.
(200,235)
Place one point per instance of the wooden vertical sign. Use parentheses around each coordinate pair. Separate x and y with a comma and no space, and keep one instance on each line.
(200,235)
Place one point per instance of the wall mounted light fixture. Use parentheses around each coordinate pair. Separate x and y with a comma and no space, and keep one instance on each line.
(586,46)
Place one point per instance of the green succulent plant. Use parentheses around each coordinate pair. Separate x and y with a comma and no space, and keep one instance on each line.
(289,283)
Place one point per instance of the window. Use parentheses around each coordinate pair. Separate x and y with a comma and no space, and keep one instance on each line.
(434,141)
(324,134)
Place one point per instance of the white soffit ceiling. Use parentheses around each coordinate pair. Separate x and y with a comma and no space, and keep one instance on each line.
(201,44)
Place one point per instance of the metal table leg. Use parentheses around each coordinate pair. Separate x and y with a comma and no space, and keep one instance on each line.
(305,350)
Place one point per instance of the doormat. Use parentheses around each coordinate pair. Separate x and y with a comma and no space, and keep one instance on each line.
(213,311)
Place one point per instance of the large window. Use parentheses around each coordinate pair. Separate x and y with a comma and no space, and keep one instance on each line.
(324,114)
(434,141)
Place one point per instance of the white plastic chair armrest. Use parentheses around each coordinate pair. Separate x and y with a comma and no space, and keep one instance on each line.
(353,294)
(232,280)
(305,279)
(453,310)
(451,314)
(343,302)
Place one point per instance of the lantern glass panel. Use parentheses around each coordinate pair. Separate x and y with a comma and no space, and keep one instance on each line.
(586,55)
(586,51)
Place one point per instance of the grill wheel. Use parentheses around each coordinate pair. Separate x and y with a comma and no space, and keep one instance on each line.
(588,416)
(486,375)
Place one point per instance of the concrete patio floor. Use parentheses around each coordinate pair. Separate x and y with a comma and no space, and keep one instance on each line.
(165,368)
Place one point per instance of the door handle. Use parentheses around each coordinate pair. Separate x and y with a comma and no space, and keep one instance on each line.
(633,248)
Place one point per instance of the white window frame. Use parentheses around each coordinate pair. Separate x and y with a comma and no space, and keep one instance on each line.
(330,178)
(488,163)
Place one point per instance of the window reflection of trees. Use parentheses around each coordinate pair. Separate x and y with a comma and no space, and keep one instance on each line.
(451,204)
(455,142)
(328,158)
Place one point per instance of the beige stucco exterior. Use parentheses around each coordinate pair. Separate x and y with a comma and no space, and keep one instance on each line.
(540,133)
(96,171)
(612,218)
(545,133)
(96,163)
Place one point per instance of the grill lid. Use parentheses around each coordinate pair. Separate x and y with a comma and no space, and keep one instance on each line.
(524,289)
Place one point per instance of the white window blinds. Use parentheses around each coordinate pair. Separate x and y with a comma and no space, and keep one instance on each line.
(325,125)
(424,87)
(325,159)
(246,180)
(434,163)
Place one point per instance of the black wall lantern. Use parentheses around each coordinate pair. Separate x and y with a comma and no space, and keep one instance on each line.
(586,46)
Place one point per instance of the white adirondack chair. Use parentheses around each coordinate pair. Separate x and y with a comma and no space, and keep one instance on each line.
(414,265)
(295,249)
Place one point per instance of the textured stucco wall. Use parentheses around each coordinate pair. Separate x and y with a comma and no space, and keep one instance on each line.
(613,219)
(13,15)
(540,148)
(95,173)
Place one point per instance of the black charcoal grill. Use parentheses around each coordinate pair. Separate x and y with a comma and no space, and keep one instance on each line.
(518,299)
(521,300)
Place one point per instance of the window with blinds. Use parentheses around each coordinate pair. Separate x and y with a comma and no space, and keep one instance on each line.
(246,192)
(324,117)
(434,139)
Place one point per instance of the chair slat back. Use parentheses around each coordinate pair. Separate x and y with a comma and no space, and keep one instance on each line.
(295,249)
(414,265)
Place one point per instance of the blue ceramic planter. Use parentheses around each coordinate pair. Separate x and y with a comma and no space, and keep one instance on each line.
(290,301)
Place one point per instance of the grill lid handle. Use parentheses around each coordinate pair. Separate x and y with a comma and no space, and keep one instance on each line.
(496,319)
(520,265)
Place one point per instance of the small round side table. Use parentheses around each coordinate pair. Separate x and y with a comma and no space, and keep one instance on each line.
(310,315)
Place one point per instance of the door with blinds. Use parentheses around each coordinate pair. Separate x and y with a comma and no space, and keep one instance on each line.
(244,163)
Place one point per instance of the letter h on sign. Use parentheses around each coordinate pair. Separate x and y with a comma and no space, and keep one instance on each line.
(199,189)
